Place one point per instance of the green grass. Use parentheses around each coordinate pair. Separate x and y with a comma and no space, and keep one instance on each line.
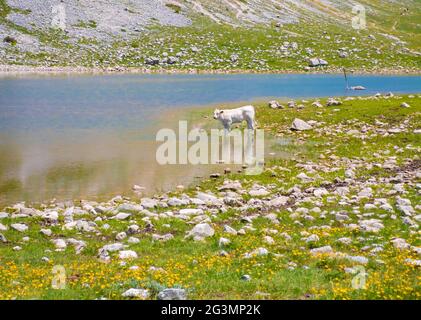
(174,7)
(86,24)
(4,9)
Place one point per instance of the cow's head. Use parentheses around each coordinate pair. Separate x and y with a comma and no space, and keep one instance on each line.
(217,113)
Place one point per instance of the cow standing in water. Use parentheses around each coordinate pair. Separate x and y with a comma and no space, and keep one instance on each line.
(229,117)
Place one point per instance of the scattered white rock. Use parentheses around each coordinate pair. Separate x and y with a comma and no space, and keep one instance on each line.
(133,240)
(229,230)
(300,125)
(200,232)
(400,243)
(19,227)
(312,238)
(122,216)
(224,242)
(59,243)
(371,225)
(321,250)
(127,254)
(136,293)
(46,232)
(172,294)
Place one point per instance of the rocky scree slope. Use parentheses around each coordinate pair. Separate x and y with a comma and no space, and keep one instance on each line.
(127,33)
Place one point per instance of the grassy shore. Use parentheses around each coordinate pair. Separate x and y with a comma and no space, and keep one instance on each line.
(54,70)
(351,187)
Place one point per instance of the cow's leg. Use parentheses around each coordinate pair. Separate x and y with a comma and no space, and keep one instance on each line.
(250,123)
(227,128)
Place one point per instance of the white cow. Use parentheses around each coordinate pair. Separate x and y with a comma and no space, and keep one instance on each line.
(228,117)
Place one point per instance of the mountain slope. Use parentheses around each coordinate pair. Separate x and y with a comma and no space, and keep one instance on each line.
(224,34)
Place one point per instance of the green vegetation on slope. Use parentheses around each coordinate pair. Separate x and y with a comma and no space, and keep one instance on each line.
(4,9)
(206,45)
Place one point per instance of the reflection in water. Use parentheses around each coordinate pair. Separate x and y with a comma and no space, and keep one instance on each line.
(93,168)
(97,167)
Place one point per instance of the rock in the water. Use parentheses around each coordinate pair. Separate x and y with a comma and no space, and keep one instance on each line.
(358,88)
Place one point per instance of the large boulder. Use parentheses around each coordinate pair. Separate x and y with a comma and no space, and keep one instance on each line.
(152,61)
(19,227)
(149,203)
(300,125)
(136,293)
(275,105)
(200,232)
(172,294)
(127,254)
(316,62)
(333,102)
(371,225)
(322,250)
(278,202)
